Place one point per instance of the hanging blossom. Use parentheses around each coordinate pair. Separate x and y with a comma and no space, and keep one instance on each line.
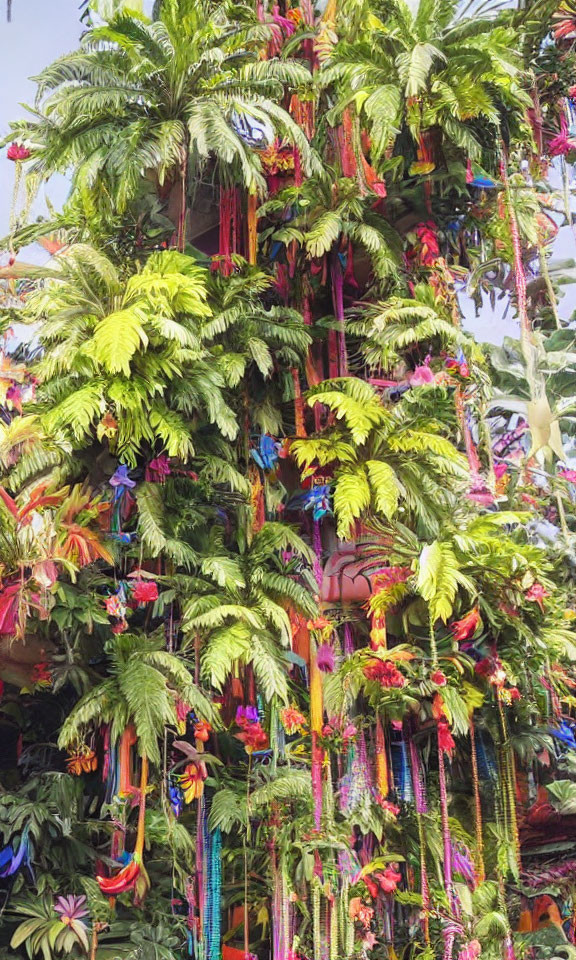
(253,735)
(158,469)
(446,741)
(492,669)
(325,659)
(385,881)
(192,781)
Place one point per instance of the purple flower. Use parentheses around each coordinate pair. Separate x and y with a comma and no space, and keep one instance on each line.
(245,715)
(325,658)
(120,477)
(71,907)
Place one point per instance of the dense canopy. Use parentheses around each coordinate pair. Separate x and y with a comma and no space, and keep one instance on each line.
(287,557)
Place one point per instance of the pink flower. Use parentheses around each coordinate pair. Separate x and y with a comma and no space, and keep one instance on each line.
(360,911)
(253,737)
(470,951)
(421,376)
(537,593)
(500,469)
(17,152)
(71,908)
(349,732)
(369,940)
(438,678)
(569,475)
(388,807)
(145,591)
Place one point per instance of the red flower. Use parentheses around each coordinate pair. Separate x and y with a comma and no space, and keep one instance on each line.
(438,678)
(389,879)
(537,593)
(463,629)
(17,152)
(320,623)
(385,673)
(492,669)
(120,626)
(372,887)
(41,675)
(445,739)
(158,469)
(145,591)
(253,737)
(388,807)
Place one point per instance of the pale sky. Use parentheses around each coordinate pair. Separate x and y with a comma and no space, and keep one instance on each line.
(42,30)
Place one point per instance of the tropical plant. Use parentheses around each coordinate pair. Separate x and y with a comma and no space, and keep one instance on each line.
(162,97)
(124,357)
(435,70)
(236,608)
(384,460)
(141,689)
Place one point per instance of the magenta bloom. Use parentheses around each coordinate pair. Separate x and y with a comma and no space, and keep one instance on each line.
(158,469)
(17,152)
(246,715)
(325,658)
(421,377)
